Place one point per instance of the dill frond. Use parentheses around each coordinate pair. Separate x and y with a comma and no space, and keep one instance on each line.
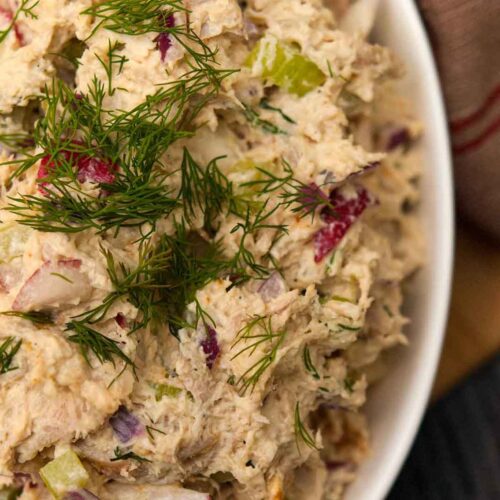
(306,356)
(255,120)
(264,104)
(301,432)
(104,348)
(113,58)
(26,8)
(257,332)
(36,317)
(8,349)
(129,455)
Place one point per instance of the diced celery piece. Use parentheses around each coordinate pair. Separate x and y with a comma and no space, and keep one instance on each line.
(284,66)
(13,238)
(166,390)
(64,473)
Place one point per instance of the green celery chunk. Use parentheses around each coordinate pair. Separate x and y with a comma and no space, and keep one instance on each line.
(13,238)
(284,66)
(166,390)
(63,474)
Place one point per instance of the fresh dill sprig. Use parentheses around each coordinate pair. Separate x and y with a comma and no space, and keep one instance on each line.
(306,356)
(256,333)
(301,432)
(388,311)
(349,327)
(17,141)
(204,190)
(26,8)
(264,104)
(243,263)
(139,17)
(104,348)
(140,285)
(193,263)
(150,430)
(129,455)
(254,119)
(304,199)
(8,349)
(133,17)
(349,382)
(113,58)
(36,317)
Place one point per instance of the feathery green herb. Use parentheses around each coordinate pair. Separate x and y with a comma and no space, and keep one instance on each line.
(306,356)
(388,311)
(8,349)
(258,332)
(138,17)
(349,327)
(26,8)
(301,432)
(349,382)
(39,318)
(264,104)
(129,455)
(113,58)
(254,119)
(150,430)
(104,348)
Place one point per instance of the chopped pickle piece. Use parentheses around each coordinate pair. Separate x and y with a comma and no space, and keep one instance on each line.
(166,390)
(13,238)
(63,474)
(284,66)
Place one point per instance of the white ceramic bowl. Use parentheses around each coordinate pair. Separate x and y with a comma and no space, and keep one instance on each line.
(396,405)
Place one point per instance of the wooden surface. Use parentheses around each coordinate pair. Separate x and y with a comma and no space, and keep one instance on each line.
(473,334)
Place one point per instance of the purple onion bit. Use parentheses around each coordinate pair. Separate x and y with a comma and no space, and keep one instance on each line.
(311,197)
(210,346)
(364,170)
(346,212)
(334,465)
(121,320)
(125,425)
(273,287)
(398,137)
(163,40)
(80,495)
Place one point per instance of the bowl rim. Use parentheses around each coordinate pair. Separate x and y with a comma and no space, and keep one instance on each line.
(412,411)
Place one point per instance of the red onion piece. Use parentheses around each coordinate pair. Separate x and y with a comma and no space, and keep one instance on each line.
(333,465)
(57,282)
(392,135)
(125,425)
(163,40)
(310,197)
(210,346)
(80,495)
(273,287)
(121,320)
(367,168)
(95,170)
(346,212)
(89,169)
(400,137)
